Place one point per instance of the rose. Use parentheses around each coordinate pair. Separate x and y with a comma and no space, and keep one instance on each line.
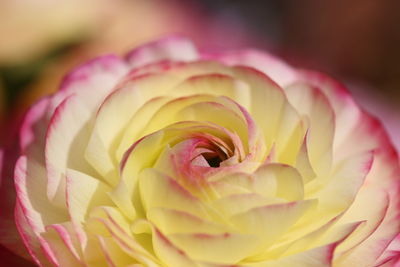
(174,158)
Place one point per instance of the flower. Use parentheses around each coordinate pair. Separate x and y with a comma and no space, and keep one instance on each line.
(173,157)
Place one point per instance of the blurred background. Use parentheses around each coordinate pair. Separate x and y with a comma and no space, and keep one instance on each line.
(356,41)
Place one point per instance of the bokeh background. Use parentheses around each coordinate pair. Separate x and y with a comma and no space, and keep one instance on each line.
(357,41)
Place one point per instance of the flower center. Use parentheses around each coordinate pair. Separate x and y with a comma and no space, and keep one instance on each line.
(214,158)
(210,153)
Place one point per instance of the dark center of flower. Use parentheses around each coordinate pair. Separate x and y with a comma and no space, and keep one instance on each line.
(213,159)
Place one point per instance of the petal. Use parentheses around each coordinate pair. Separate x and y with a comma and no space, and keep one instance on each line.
(29,238)
(273,114)
(347,113)
(273,67)
(372,210)
(318,257)
(138,122)
(63,244)
(9,237)
(168,252)
(109,222)
(227,248)
(113,117)
(83,193)
(93,80)
(66,138)
(33,128)
(313,104)
(340,190)
(171,48)
(30,183)
(278,217)
(159,190)
(171,221)
(32,202)
(114,255)
(269,180)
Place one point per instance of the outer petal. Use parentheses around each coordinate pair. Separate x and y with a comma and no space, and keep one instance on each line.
(362,129)
(170,48)
(99,75)
(65,139)
(276,69)
(30,182)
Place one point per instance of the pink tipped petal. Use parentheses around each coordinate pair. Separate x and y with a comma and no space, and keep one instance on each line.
(372,248)
(66,137)
(64,243)
(174,158)
(341,189)
(170,48)
(289,184)
(314,105)
(99,74)
(93,81)
(9,237)
(30,183)
(103,65)
(215,84)
(29,238)
(278,70)
(347,114)
(84,192)
(32,203)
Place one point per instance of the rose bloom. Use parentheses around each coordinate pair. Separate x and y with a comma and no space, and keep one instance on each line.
(172,157)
